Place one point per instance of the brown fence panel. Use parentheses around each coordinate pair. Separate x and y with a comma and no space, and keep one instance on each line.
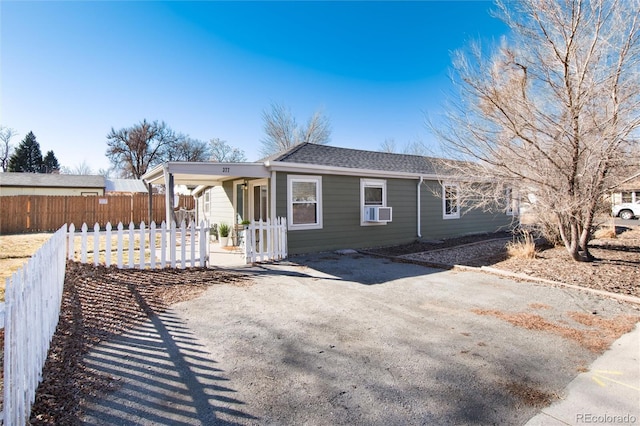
(42,213)
(13,214)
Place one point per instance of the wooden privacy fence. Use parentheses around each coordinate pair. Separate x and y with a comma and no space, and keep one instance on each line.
(152,247)
(265,240)
(31,310)
(43,213)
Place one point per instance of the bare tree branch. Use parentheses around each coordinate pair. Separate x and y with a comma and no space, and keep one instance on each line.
(553,113)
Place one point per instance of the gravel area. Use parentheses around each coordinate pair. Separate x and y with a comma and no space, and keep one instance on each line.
(616,268)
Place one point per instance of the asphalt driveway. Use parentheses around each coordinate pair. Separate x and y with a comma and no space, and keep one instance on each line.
(353,339)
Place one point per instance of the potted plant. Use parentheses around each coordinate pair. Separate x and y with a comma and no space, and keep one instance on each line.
(223,234)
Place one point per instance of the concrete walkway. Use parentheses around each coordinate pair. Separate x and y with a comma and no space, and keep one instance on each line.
(608,393)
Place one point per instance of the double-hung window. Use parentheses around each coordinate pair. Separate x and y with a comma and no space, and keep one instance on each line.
(304,208)
(373,193)
(450,201)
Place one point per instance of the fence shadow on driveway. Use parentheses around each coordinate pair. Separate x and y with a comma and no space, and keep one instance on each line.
(163,376)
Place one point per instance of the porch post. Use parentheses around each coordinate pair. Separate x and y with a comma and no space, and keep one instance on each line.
(272,191)
(150,200)
(168,199)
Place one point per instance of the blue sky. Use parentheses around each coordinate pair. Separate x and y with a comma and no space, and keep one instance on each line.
(70,71)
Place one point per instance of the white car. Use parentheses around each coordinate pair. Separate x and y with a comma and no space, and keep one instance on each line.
(626,210)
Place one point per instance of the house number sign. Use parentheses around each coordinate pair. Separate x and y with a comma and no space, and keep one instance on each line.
(226,169)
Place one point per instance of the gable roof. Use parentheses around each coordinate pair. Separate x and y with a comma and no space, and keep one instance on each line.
(331,156)
(51,180)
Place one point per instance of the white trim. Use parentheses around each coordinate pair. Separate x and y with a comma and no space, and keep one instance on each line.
(455,215)
(304,178)
(364,182)
(345,171)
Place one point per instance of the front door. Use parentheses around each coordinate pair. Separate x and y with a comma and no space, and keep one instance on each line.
(259,199)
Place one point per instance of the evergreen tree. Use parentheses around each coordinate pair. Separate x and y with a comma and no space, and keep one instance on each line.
(50,163)
(27,157)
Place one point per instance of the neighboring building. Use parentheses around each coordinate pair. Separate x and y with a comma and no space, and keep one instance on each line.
(12,183)
(125,186)
(628,191)
(333,198)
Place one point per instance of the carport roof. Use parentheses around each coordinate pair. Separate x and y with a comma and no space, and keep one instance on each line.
(208,173)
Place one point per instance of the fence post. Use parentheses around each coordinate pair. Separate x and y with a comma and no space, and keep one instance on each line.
(183,244)
(131,244)
(70,253)
(107,244)
(163,244)
(120,243)
(83,249)
(142,244)
(172,243)
(152,244)
(96,244)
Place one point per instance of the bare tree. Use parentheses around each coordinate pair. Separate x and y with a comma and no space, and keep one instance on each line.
(6,149)
(186,149)
(222,152)
(415,147)
(282,131)
(133,150)
(388,146)
(553,113)
(79,169)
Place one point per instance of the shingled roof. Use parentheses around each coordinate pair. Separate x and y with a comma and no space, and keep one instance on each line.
(51,180)
(331,156)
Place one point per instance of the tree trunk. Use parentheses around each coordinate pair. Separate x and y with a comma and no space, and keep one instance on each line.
(572,238)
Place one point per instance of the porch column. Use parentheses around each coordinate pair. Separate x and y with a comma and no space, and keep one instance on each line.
(150,200)
(272,207)
(168,199)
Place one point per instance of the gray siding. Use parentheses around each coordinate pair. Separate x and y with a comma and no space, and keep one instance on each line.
(341,216)
(471,221)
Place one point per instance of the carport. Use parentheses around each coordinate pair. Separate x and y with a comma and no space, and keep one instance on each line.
(200,174)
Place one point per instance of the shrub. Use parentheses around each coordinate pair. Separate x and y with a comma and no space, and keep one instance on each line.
(606,232)
(523,247)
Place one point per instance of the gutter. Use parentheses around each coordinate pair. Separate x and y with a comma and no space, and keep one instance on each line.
(419,207)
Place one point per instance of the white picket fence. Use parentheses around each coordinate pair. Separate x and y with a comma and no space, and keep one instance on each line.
(33,296)
(265,240)
(152,247)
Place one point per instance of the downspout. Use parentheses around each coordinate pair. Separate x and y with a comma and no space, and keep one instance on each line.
(273,195)
(419,209)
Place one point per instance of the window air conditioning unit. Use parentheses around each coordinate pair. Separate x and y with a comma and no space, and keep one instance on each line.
(377,214)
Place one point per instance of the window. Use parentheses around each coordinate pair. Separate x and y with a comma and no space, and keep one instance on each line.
(373,192)
(450,202)
(511,201)
(207,205)
(305,202)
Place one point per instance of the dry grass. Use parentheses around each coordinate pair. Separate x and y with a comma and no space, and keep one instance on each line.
(597,337)
(15,251)
(522,248)
(605,232)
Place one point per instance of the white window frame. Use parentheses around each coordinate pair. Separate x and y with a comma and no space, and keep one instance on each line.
(304,178)
(378,183)
(455,215)
(512,202)
(206,205)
